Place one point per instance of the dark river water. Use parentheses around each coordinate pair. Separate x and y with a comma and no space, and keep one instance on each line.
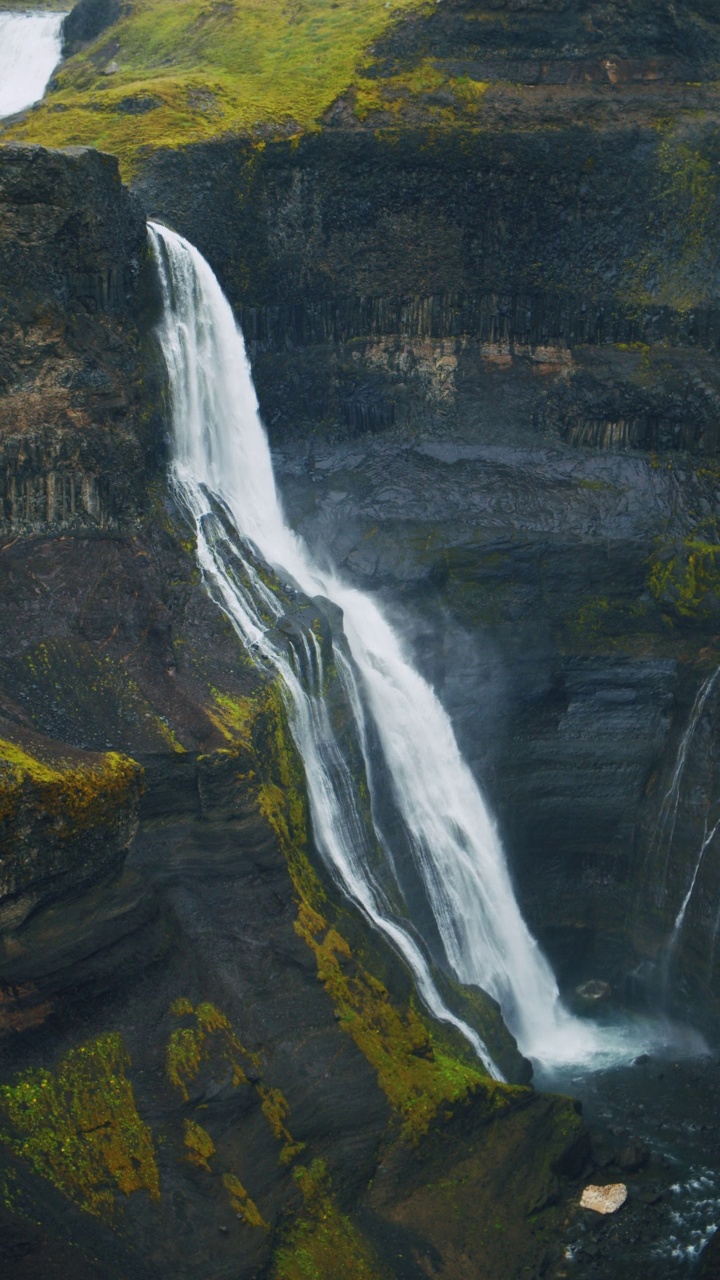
(663,1113)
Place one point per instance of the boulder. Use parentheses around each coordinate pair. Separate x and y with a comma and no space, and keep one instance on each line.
(604,1199)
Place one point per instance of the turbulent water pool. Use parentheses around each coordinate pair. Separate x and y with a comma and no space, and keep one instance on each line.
(662,1112)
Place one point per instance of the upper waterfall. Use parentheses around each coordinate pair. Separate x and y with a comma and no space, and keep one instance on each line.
(30,49)
(441,826)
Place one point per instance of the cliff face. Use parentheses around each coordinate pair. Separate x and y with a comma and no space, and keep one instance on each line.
(79,428)
(209,1066)
(481,305)
(489,373)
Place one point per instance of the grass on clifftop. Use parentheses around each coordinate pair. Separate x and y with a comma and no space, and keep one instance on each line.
(203,68)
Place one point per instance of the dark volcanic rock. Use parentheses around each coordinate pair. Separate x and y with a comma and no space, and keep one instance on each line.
(86,20)
(80,431)
(206,1058)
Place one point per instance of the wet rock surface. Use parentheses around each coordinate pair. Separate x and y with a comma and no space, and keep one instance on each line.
(522,579)
(206,1062)
(490,380)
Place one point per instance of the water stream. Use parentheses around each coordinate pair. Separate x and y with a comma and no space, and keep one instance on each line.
(664,833)
(222,472)
(30,49)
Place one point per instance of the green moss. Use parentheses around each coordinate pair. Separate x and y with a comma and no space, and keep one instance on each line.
(688,580)
(242,1203)
(276,1110)
(677,265)
(73,797)
(204,68)
(200,1146)
(418,1076)
(323,1242)
(281,793)
(210,1035)
(79,1127)
(210,1039)
(398,94)
(233,716)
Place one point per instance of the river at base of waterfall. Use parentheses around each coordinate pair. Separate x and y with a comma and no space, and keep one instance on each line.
(654,1126)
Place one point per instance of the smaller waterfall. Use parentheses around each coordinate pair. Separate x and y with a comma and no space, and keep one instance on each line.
(30,49)
(707,840)
(664,832)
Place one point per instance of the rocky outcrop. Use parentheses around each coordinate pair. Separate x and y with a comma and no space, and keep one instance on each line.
(65,821)
(79,425)
(86,21)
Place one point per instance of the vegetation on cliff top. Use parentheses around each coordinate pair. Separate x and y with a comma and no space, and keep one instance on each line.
(72,796)
(169,74)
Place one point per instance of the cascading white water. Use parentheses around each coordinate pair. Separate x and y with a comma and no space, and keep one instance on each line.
(223,474)
(30,48)
(671,802)
(664,832)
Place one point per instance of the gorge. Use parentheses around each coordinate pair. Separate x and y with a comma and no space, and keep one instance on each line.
(490,394)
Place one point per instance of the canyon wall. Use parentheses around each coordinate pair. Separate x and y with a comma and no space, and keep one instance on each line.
(209,1064)
(489,374)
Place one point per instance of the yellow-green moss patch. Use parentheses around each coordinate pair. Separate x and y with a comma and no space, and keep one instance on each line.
(197,70)
(688,582)
(79,1127)
(441,96)
(415,1071)
(233,716)
(73,796)
(417,1076)
(199,1144)
(242,1203)
(211,1035)
(276,1110)
(323,1242)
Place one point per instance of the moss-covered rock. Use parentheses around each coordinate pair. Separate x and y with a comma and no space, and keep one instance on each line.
(79,1128)
(65,821)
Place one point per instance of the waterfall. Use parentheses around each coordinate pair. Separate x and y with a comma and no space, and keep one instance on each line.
(670,807)
(664,832)
(442,830)
(30,49)
(708,837)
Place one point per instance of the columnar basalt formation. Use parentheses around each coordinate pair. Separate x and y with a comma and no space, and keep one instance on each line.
(79,429)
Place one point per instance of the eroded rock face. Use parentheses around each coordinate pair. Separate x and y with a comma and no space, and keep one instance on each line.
(79,427)
(66,820)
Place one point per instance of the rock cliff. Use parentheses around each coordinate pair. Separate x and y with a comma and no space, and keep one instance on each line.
(209,1065)
(476,270)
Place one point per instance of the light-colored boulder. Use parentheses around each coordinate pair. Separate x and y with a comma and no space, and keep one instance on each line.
(604,1199)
